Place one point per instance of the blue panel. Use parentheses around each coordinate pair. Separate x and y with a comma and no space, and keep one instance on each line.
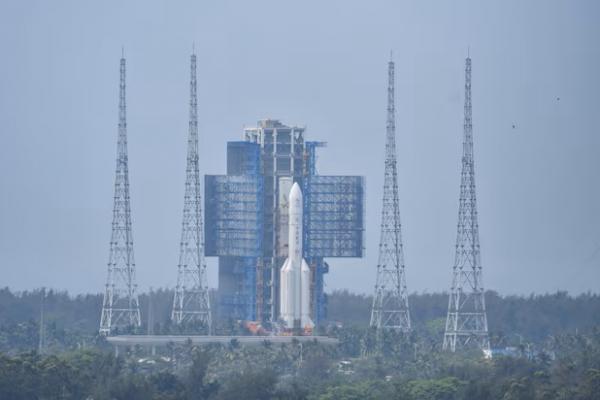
(237,287)
(234,215)
(319,305)
(243,158)
(249,288)
(334,216)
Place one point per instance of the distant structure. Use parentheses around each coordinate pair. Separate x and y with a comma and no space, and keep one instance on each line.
(191,301)
(390,301)
(466,325)
(247,213)
(120,307)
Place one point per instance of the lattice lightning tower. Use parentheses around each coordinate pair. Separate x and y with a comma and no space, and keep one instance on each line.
(390,302)
(120,307)
(191,300)
(466,325)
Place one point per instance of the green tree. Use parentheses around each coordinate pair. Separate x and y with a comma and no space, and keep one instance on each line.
(430,389)
(250,384)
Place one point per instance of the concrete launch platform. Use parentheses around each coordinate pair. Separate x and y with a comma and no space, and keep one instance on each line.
(163,340)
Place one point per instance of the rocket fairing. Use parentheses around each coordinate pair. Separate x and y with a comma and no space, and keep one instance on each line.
(295,275)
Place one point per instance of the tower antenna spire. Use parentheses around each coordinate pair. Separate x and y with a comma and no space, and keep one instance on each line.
(191,301)
(466,324)
(390,301)
(120,307)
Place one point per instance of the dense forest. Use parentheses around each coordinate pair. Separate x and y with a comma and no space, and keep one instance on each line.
(404,371)
(554,341)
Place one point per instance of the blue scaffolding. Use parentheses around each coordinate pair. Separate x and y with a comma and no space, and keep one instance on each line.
(311,156)
(237,276)
(234,228)
(333,224)
(243,225)
(234,215)
(243,158)
(334,216)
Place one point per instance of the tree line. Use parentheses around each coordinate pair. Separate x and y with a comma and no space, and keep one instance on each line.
(72,321)
(556,341)
(308,372)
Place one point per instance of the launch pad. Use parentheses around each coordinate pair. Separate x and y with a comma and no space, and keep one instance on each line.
(154,341)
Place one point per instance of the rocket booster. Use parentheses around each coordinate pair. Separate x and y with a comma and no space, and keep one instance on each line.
(295,275)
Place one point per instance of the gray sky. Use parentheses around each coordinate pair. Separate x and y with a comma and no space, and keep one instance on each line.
(316,63)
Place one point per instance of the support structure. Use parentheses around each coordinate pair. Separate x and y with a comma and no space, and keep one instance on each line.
(191,301)
(466,325)
(247,220)
(390,301)
(120,307)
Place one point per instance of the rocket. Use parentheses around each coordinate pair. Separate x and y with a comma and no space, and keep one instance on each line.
(294,274)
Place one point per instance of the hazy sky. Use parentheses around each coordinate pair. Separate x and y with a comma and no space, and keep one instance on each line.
(316,63)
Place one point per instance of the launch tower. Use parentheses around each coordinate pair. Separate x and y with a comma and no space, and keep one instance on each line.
(390,301)
(120,307)
(466,324)
(247,213)
(191,301)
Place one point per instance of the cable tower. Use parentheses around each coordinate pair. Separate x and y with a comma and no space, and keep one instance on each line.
(466,325)
(120,307)
(390,302)
(191,301)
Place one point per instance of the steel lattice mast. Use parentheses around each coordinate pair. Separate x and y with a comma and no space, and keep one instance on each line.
(390,302)
(191,300)
(120,308)
(466,325)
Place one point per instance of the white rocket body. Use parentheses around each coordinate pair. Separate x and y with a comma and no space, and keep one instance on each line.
(295,275)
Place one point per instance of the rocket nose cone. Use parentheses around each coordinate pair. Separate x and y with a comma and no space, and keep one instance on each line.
(295,192)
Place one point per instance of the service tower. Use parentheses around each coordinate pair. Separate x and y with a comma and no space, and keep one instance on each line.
(247,220)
